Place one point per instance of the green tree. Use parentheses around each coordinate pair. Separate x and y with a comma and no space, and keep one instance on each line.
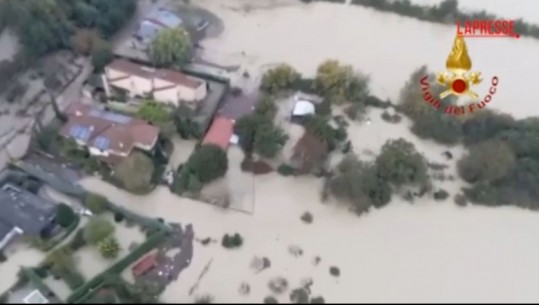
(340,83)
(109,247)
(97,229)
(135,172)
(246,128)
(171,47)
(282,77)
(359,183)
(486,161)
(399,163)
(266,107)
(65,215)
(208,163)
(101,56)
(154,112)
(269,140)
(96,203)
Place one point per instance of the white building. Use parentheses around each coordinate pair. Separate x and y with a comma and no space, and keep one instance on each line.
(167,86)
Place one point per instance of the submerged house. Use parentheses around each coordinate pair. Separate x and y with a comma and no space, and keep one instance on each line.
(24,213)
(165,85)
(108,135)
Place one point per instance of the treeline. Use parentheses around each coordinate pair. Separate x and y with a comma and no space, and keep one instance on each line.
(446,12)
(502,163)
(46,26)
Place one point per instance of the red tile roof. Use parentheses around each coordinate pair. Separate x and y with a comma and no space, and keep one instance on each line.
(122,137)
(175,77)
(144,265)
(220,132)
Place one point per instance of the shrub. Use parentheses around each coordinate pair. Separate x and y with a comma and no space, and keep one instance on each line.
(97,229)
(299,296)
(318,300)
(78,240)
(441,195)
(256,167)
(231,242)
(280,78)
(286,170)
(3,257)
(65,215)
(208,163)
(335,271)
(41,272)
(270,300)
(307,217)
(118,217)
(109,247)
(73,279)
(461,200)
(204,299)
(96,203)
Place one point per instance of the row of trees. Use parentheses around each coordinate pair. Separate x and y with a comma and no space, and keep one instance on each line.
(45,26)
(365,184)
(445,12)
(502,161)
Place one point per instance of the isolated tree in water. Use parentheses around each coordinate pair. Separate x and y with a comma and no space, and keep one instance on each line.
(171,47)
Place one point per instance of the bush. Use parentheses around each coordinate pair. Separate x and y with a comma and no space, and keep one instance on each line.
(270,300)
(440,195)
(96,203)
(318,300)
(97,229)
(461,200)
(101,56)
(307,217)
(282,77)
(3,257)
(135,172)
(299,296)
(256,167)
(65,215)
(208,163)
(286,170)
(109,247)
(42,272)
(73,279)
(335,271)
(204,299)
(118,217)
(231,242)
(78,240)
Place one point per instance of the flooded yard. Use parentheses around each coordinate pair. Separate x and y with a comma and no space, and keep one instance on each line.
(91,262)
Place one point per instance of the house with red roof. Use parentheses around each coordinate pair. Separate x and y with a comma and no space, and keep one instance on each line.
(166,85)
(109,136)
(220,132)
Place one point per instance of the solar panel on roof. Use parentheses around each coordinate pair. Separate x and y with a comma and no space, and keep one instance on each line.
(74,130)
(102,143)
(84,133)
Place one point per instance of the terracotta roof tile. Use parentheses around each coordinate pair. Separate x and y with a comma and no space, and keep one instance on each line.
(220,132)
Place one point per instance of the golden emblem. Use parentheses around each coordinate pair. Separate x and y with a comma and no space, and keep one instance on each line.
(458,80)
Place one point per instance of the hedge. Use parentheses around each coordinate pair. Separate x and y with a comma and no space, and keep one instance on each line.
(86,291)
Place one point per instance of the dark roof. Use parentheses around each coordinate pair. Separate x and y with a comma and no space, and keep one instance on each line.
(4,229)
(25,210)
(220,132)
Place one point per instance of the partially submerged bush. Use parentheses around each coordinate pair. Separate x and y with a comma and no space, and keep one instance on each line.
(234,241)
(78,240)
(65,215)
(440,194)
(307,217)
(286,170)
(335,271)
(270,300)
(318,300)
(299,296)
(278,285)
(96,203)
(118,217)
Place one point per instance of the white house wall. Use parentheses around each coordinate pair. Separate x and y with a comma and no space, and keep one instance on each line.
(113,74)
(142,86)
(169,96)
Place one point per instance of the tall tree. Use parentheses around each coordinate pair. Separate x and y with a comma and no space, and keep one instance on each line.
(171,47)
